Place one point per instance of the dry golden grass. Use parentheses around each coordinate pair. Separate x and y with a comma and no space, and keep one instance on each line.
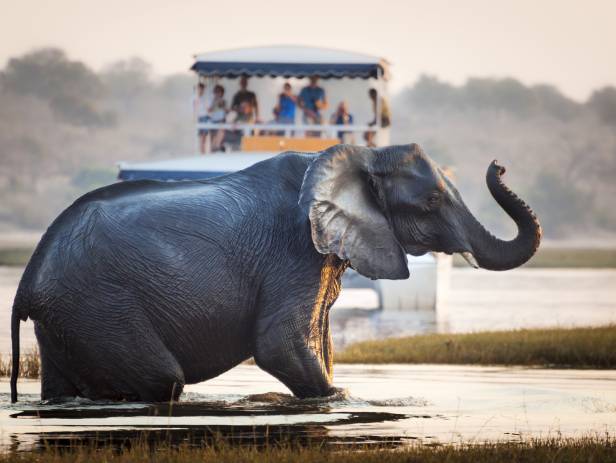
(593,347)
(555,347)
(558,450)
(29,365)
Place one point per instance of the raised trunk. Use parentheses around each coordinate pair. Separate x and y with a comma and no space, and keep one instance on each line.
(495,254)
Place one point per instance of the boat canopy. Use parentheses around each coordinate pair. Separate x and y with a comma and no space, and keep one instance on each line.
(290,61)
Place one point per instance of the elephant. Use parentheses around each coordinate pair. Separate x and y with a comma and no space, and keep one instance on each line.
(141,287)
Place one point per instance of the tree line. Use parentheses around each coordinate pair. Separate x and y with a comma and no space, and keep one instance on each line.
(63,125)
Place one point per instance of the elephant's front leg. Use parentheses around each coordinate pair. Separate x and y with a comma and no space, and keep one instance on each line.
(292,340)
(297,350)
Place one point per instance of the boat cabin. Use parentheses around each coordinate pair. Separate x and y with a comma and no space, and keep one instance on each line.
(346,77)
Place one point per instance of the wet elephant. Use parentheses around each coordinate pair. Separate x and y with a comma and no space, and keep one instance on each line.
(141,287)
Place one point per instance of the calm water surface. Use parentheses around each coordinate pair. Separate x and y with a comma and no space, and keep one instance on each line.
(394,404)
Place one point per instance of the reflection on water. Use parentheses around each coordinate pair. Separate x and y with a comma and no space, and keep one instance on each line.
(478,300)
(390,405)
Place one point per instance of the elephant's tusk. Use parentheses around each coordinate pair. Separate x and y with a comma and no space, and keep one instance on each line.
(468,257)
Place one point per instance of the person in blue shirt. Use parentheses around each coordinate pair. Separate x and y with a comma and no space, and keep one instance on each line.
(342,116)
(285,109)
(312,100)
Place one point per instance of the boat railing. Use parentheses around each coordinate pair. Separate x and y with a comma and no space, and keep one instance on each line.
(289,130)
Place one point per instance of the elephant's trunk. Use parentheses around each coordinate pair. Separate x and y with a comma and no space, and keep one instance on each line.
(495,254)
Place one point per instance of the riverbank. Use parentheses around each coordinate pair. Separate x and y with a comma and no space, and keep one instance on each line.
(599,449)
(593,347)
(581,348)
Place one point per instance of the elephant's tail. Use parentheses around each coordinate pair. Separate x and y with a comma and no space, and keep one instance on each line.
(15,321)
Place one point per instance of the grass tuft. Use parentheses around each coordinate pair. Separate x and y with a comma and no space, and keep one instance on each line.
(29,365)
(557,450)
(593,347)
(555,347)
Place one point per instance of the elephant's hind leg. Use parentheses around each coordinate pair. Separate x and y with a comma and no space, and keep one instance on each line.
(135,364)
(55,383)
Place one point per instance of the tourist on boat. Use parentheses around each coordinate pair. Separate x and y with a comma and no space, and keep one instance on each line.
(245,103)
(312,100)
(385,116)
(342,116)
(217,114)
(285,109)
(201,105)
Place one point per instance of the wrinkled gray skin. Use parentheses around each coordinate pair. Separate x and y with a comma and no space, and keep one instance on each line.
(141,287)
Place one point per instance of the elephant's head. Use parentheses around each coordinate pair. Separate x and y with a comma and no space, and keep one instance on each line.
(373,206)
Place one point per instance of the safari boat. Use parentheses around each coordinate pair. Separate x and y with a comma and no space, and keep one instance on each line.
(345,76)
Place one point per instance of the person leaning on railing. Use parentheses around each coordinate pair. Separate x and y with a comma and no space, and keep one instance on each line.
(245,103)
(285,109)
(385,116)
(201,105)
(342,116)
(312,100)
(217,114)
(246,109)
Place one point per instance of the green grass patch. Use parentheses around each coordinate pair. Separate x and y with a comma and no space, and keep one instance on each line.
(558,450)
(548,257)
(556,347)
(15,257)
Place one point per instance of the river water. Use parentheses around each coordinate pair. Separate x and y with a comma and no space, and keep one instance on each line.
(395,403)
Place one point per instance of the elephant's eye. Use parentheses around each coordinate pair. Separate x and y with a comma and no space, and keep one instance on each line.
(434,200)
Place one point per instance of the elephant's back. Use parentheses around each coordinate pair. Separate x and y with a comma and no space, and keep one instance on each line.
(101,229)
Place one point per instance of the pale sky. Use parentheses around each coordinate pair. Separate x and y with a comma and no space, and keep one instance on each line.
(569,43)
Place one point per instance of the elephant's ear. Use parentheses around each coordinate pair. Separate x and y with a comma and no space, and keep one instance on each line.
(345,216)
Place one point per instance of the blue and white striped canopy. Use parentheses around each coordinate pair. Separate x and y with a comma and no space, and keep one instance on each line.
(290,61)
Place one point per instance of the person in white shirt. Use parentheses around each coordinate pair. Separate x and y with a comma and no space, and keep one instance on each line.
(201,108)
(217,114)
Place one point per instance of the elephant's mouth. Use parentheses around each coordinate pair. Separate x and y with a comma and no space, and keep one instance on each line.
(418,250)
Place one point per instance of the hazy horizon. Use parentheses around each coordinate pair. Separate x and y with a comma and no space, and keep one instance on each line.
(569,45)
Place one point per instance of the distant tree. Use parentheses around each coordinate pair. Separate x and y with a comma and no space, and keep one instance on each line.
(550,101)
(128,79)
(562,206)
(70,87)
(429,92)
(47,73)
(498,94)
(508,95)
(603,103)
